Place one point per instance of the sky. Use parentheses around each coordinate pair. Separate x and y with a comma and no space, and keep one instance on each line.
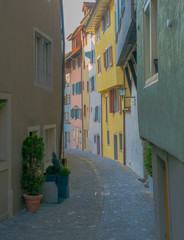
(72,16)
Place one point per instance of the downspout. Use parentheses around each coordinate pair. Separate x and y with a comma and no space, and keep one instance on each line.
(124,124)
(62,80)
(101,128)
(82,118)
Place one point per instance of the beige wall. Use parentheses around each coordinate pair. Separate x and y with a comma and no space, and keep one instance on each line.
(30,105)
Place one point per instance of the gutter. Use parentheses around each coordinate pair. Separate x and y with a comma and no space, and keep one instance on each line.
(61,141)
(124,124)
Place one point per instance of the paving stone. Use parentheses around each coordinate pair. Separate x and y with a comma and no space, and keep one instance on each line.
(107,202)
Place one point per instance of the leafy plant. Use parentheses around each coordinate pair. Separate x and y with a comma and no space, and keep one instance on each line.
(32,176)
(64,171)
(56,168)
(148,159)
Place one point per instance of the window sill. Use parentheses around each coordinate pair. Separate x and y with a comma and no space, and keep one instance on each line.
(151,80)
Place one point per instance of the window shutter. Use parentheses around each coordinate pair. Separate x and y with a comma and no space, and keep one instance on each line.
(80,88)
(105,60)
(103,25)
(110,56)
(93,56)
(111,101)
(94,82)
(94,114)
(120,104)
(73,89)
(99,114)
(90,84)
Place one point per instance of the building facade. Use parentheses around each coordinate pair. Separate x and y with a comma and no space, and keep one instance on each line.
(67,109)
(108,78)
(30,89)
(76,89)
(160,53)
(126,56)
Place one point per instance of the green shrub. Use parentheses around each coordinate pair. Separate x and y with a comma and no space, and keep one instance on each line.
(32,175)
(64,171)
(148,159)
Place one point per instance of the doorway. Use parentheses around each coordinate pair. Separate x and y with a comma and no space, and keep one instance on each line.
(98,144)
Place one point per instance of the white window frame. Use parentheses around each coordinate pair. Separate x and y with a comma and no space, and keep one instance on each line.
(46,128)
(43,60)
(150,41)
(34,129)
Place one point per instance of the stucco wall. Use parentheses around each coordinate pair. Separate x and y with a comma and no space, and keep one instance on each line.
(134,149)
(30,105)
(161,104)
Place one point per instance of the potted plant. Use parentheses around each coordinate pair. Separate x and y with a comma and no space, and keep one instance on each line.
(148,165)
(60,175)
(32,175)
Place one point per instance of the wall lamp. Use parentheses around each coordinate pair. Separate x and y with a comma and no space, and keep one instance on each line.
(122,93)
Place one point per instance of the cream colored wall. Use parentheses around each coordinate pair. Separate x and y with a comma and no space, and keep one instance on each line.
(31,105)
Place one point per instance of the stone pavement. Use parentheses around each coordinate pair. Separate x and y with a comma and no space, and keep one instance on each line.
(107,202)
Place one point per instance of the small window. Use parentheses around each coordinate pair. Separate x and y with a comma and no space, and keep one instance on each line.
(73,64)
(84,110)
(120,142)
(94,138)
(99,64)
(98,34)
(106,21)
(108,58)
(79,62)
(108,138)
(68,137)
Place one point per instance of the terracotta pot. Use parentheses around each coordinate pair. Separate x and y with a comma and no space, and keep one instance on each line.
(32,202)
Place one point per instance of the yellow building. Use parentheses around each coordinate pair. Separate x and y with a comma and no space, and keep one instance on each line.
(109,78)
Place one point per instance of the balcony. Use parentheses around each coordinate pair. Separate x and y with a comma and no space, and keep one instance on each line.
(126,32)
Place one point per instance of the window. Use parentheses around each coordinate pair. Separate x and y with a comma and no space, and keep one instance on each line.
(34,131)
(108,58)
(67,79)
(73,64)
(119,10)
(68,137)
(106,21)
(120,142)
(117,101)
(49,136)
(66,117)
(80,135)
(99,64)
(43,60)
(73,133)
(76,113)
(84,110)
(111,100)
(108,138)
(97,114)
(106,109)
(92,56)
(98,34)
(150,42)
(79,62)
(76,88)
(92,83)
(87,86)
(67,99)
(94,138)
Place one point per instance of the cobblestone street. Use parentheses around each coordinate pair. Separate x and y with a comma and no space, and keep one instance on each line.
(107,202)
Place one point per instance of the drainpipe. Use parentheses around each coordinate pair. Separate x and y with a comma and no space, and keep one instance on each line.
(124,124)
(101,128)
(62,81)
(82,119)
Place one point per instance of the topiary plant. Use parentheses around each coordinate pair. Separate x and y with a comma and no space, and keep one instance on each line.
(32,176)
(148,159)
(64,172)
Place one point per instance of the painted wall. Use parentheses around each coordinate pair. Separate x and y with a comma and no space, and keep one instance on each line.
(67,109)
(95,100)
(76,101)
(114,126)
(134,149)
(113,76)
(85,92)
(160,105)
(27,104)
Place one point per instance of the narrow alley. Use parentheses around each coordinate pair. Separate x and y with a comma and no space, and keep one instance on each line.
(107,202)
